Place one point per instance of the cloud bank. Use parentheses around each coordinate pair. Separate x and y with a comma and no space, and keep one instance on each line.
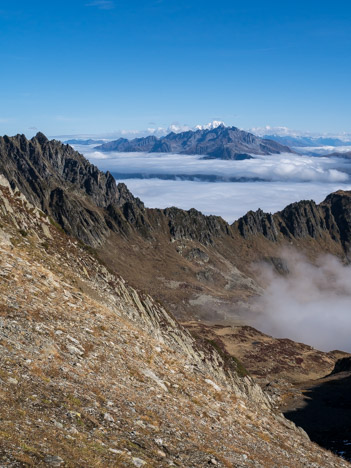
(312,304)
(278,167)
(228,200)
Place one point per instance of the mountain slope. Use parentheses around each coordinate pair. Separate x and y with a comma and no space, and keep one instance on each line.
(220,142)
(94,373)
(199,266)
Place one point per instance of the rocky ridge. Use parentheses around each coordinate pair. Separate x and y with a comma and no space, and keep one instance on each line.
(62,183)
(94,373)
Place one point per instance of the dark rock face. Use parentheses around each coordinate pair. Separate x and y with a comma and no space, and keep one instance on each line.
(258,222)
(37,163)
(221,142)
(62,183)
(302,219)
(194,225)
(342,365)
(338,207)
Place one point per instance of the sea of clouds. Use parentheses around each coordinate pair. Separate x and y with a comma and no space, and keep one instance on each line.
(220,187)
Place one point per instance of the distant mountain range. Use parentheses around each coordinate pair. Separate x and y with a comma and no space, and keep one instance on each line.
(343,155)
(305,141)
(214,143)
(77,141)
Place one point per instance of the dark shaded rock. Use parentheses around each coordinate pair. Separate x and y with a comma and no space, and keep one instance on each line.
(280,265)
(339,204)
(197,255)
(62,183)
(258,222)
(342,365)
(303,219)
(194,225)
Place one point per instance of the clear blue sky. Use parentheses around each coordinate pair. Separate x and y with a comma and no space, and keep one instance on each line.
(85,66)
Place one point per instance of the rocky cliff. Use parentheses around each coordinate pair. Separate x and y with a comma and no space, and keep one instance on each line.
(62,183)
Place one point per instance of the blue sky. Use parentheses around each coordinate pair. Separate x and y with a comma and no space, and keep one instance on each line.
(85,66)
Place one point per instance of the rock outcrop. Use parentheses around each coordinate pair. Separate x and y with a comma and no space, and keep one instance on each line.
(63,184)
(342,365)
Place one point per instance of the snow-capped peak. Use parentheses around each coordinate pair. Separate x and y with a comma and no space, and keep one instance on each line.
(210,125)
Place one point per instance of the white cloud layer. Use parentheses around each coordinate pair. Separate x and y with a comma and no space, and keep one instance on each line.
(282,167)
(311,305)
(229,200)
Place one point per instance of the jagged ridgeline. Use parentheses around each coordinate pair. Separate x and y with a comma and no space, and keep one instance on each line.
(63,184)
(201,262)
(96,373)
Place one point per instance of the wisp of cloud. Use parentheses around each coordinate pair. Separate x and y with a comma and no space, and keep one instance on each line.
(311,304)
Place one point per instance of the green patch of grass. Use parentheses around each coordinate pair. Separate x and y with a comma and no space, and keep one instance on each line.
(74,401)
(240,368)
